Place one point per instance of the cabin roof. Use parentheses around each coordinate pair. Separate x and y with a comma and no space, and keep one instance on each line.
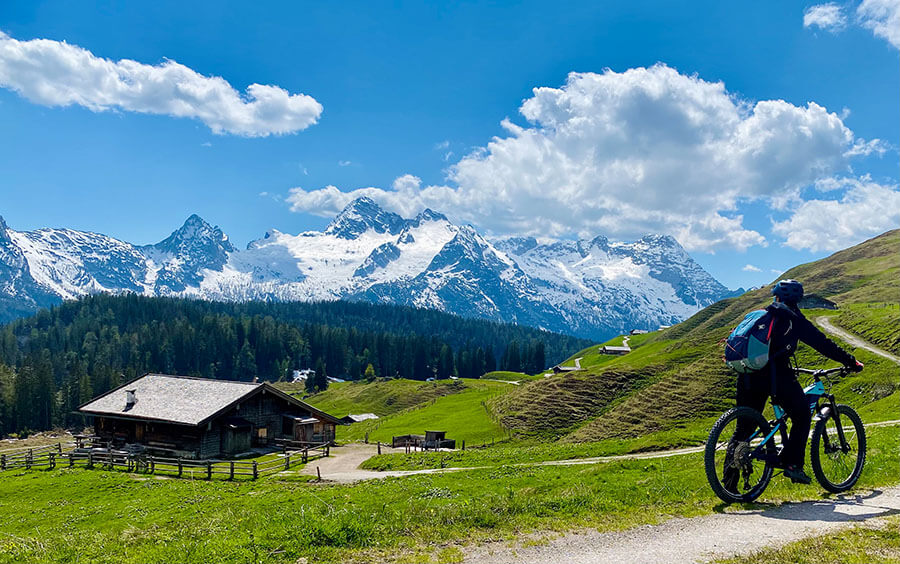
(182,399)
(357,417)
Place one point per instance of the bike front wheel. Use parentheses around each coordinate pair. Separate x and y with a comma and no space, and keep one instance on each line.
(837,466)
(738,464)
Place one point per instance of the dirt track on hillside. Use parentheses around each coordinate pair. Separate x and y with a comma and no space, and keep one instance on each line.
(852,339)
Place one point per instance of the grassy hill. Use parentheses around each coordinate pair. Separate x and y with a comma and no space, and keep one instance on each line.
(381,397)
(412,407)
(673,383)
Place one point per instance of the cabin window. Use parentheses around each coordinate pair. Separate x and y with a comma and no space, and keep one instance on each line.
(262,433)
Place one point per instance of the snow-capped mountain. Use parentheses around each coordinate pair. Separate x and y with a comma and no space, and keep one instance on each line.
(593,288)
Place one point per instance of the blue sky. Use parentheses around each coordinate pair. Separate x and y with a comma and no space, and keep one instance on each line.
(761,136)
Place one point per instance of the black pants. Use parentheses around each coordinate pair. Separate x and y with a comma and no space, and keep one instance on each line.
(753,391)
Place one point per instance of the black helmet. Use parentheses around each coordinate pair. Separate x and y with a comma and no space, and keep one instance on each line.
(788,291)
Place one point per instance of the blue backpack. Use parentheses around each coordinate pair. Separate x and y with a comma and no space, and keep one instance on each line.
(747,348)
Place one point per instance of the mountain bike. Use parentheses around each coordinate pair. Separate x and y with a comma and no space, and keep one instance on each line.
(742,452)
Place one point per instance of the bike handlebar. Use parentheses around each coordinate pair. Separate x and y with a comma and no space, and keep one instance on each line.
(822,372)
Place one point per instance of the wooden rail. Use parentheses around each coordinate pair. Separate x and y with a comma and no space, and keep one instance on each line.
(30,457)
(109,459)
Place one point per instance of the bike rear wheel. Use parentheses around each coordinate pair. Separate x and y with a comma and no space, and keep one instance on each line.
(734,472)
(837,469)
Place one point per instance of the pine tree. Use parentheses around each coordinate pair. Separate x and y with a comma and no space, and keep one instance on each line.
(490,361)
(370,373)
(539,361)
(513,360)
(445,362)
(321,377)
(245,366)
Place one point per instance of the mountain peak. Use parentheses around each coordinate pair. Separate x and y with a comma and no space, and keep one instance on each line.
(658,239)
(363,214)
(194,233)
(429,214)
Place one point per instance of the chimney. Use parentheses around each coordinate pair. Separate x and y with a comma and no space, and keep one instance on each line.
(130,399)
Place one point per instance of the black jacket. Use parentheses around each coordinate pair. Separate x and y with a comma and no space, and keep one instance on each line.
(791,326)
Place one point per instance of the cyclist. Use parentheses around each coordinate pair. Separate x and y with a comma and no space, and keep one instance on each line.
(779,380)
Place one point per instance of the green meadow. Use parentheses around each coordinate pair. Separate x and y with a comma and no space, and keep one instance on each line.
(79,515)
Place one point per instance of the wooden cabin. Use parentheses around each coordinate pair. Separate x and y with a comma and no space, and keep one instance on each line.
(204,418)
(610,349)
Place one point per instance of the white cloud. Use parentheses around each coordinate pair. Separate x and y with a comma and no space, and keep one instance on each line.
(829,17)
(864,210)
(751,268)
(344,163)
(624,154)
(55,73)
(882,17)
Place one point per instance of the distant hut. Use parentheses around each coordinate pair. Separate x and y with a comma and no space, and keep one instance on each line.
(610,349)
(204,418)
(357,417)
(815,301)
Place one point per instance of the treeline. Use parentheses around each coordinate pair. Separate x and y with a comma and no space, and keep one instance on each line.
(60,358)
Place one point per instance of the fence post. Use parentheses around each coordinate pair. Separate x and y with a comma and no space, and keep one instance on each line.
(29,458)
(52,459)
(71,460)
(231,475)
(59,448)
(464,444)
(209,469)
(327,450)
(379,447)
(2,462)
(90,459)
(255,472)
(287,461)
(180,467)
(304,455)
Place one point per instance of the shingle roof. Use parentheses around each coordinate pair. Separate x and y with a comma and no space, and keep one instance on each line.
(179,399)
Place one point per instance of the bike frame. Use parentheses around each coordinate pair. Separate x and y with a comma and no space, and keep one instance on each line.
(821,404)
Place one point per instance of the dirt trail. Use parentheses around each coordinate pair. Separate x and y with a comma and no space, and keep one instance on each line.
(852,339)
(701,539)
(343,464)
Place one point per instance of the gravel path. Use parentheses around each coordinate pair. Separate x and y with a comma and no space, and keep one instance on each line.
(343,464)
(701,539)
(852,339)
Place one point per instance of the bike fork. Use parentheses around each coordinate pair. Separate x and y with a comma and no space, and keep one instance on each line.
(840,428)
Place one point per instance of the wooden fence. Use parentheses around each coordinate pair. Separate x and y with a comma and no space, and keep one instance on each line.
(30,457)
(109,459)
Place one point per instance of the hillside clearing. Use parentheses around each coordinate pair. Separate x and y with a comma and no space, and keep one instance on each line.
(463,414)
